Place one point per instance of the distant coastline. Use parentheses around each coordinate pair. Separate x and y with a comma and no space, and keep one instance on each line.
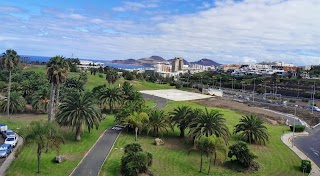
(106,63)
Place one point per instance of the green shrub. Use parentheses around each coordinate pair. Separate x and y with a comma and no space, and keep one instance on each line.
(306,166)
(172,83)
(178,85)
(100,75)
(298,128)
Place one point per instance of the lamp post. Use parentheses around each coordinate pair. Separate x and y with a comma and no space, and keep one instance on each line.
(254,86)
(294,123)
(314,92)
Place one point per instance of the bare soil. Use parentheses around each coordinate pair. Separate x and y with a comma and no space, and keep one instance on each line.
(253,108)
(25,117)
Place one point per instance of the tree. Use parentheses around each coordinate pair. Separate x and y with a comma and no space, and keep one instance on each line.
(40,99)
(242,153)
(127,90)
(111,96)
(137,121)
(253,130)
(202,143)
(9,60)
(57,73)
(79,109)
(111,76)
(16,103)
(43,134)
(158,121)
(181,116)
(135,161)
(208,123)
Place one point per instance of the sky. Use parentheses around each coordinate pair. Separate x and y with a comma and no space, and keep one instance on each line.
(226,31)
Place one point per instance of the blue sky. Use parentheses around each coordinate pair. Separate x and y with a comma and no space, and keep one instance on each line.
(227,31)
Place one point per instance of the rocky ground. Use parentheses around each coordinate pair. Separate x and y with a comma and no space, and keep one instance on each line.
(253,108)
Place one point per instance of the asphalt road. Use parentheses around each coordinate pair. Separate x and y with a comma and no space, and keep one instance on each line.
(310,145)
(161,102)
(93,161)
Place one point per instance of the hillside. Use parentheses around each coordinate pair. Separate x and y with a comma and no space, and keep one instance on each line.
(206,62)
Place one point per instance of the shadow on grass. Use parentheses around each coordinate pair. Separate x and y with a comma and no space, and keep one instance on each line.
(234,165)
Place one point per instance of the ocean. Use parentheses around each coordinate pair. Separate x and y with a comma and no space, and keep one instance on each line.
(106,63)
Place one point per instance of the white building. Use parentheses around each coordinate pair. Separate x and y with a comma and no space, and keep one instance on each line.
(85,64)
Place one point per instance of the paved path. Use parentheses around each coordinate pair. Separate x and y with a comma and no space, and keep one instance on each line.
(161,102)
(94,159)
(5,165)
(287,139)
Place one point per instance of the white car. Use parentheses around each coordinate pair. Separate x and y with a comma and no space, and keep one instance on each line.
(12,141)
(315,108)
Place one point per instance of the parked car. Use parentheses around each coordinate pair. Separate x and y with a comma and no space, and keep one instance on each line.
(12,141)
(8,133)
(5,150)
(315,108)
(3,127)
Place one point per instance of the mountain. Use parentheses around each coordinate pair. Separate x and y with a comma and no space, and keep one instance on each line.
(206,62)
(148,61)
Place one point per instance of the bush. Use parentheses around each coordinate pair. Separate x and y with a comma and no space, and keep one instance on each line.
(172,83)
(298,128)
(178,85)
(306,166)
(100,75)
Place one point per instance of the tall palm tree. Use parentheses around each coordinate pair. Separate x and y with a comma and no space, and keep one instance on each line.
(79,109)
(111,96)
(40,99)
(9,60)
(158,121)
(43,134)
(208,123)
(181,116)
(253,130)
(16,103)
(57,73)
(137,121)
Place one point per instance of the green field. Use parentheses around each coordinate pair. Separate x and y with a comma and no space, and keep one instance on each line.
(96,80)
(172,158)
(26,162)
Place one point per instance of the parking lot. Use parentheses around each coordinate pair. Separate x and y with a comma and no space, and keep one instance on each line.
(175,95)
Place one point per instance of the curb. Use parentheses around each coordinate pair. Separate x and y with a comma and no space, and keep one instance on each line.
(88,152)
(109,153)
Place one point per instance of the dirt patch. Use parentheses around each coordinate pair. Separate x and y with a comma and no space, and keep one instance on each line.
(25,117)
(243,108)
(71,157)
(175,143)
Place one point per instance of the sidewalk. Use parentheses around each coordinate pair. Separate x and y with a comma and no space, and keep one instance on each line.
(287,138)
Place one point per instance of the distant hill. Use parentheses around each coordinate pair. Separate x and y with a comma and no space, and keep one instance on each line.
(206,62)
(150,61)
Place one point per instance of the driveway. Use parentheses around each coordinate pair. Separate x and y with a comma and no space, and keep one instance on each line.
(160,102)
(93,161)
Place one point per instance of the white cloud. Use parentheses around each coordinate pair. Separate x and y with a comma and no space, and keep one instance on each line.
(135,6)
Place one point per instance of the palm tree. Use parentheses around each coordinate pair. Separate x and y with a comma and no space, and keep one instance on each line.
(158,121)
(9,60)
(16,103)
(253,130)
(216,145)
(181,116)
(57,73)
(111,96)
(43,134)
(40,99)
(127,89)
(208,123)
(137,121)
(79,109)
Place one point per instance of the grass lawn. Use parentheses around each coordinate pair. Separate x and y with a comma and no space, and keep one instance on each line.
(26,162)
(172,158)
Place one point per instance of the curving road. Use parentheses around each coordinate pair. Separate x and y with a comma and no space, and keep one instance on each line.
(160,102)
(310,145)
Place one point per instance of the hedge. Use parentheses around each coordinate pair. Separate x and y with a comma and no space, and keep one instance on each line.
(298,128)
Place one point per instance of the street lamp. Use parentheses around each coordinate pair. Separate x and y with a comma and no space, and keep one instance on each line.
(294,122)
(314,92)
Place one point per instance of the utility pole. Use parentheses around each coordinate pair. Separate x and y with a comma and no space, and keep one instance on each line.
(294,123)
(314,92)
(254,86)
